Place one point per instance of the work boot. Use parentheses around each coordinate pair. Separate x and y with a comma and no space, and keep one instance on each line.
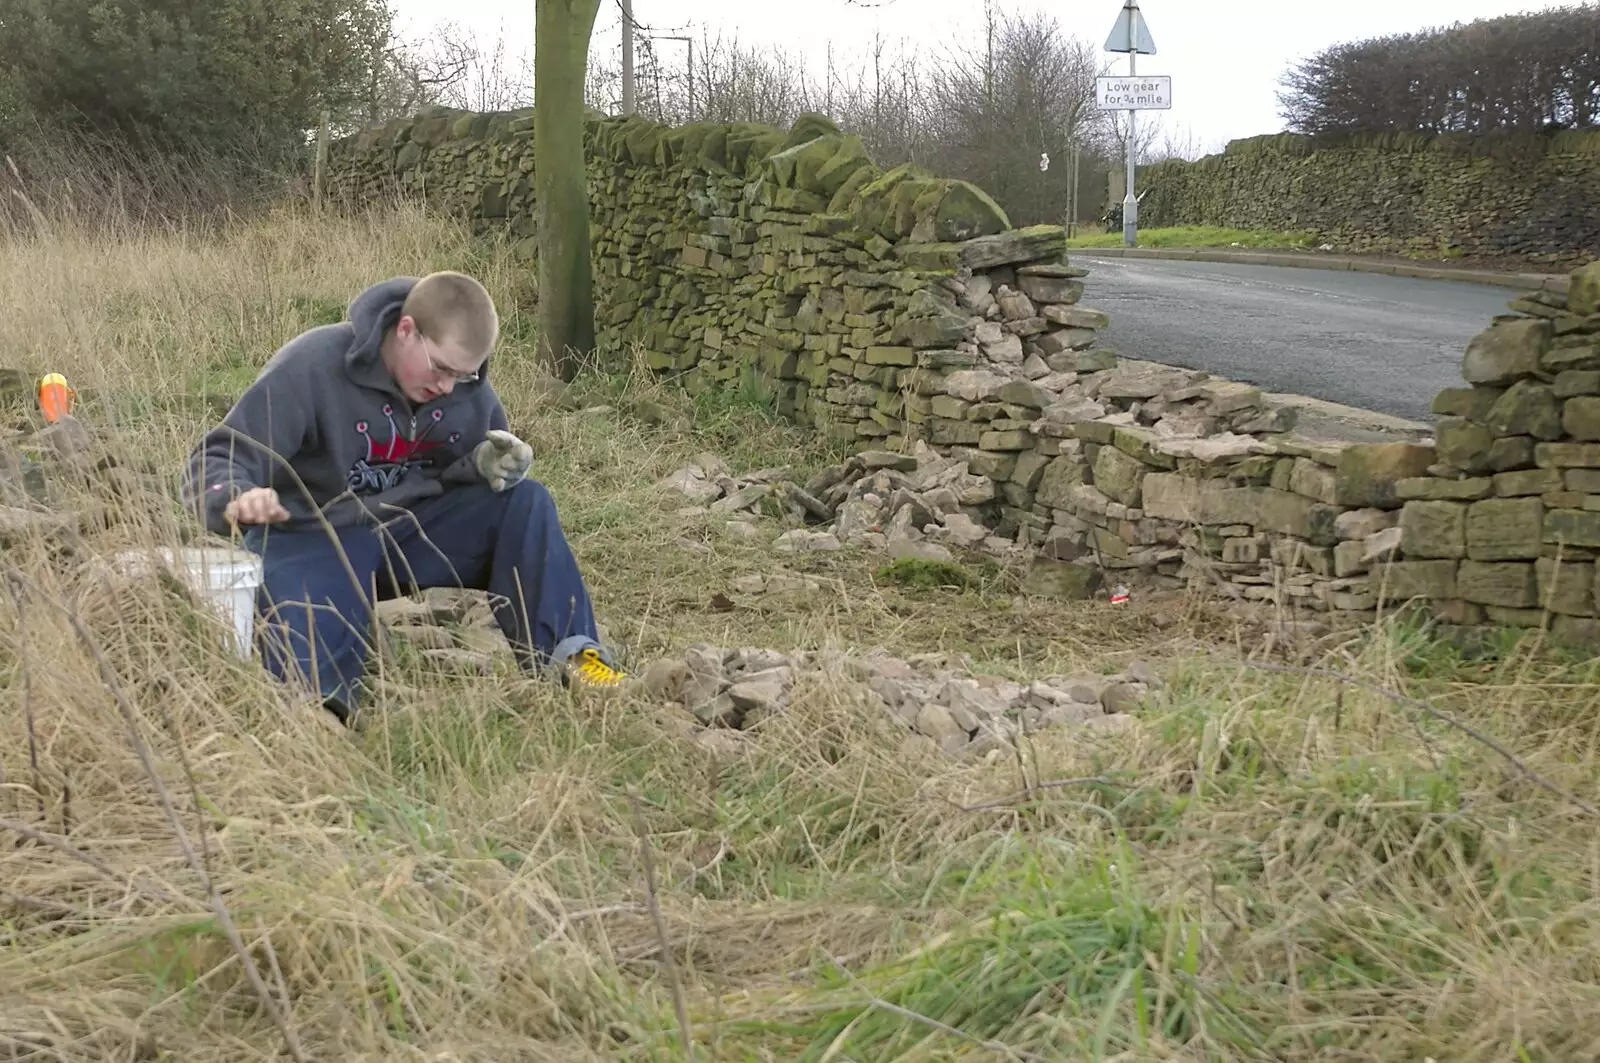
(588,668)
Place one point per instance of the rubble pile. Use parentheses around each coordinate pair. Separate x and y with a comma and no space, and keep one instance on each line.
(1134,472)
(934,696)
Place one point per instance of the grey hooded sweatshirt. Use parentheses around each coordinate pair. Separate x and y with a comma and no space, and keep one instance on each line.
(326,426)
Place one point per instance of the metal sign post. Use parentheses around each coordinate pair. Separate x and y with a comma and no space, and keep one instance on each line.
(1131,35)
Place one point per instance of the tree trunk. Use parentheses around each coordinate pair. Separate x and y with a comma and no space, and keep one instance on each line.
(561,187)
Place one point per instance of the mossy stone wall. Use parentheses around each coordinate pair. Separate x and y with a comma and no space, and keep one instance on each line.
(894,308)
(1528,197)
(727,250)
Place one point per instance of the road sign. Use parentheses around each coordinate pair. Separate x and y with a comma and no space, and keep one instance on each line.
(1131,39)
(1147,92)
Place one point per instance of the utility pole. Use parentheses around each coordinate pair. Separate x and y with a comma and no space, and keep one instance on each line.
(628,95)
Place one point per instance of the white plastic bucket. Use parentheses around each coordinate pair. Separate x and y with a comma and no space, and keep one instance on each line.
(225,578)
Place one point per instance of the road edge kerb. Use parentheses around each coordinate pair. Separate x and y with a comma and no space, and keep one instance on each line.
(1549,282)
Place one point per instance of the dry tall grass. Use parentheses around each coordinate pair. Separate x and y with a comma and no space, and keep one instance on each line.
(1271,866)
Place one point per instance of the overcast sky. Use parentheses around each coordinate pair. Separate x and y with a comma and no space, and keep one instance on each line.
(1224,56)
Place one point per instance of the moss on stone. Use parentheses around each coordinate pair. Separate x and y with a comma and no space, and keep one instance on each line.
(809,127)
(749,143)
(873,201)
(849,158)
(812,157)
(847,195)
(796,166)
(431,131)
(642,142)
(967,211)
(1583,292)
(713,152)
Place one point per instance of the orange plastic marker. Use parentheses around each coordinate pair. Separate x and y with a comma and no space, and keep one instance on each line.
(55,397)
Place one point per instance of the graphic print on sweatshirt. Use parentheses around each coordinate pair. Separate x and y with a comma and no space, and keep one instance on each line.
(388,463)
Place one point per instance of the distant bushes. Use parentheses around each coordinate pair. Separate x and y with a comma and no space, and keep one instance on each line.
(1528,72)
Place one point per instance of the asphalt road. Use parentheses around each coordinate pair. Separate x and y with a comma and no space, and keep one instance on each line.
(1363,339)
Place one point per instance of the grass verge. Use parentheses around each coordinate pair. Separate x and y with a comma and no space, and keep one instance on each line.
(1270,866)
(1202,236)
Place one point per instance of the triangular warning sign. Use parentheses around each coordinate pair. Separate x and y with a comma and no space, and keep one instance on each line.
(1144,44)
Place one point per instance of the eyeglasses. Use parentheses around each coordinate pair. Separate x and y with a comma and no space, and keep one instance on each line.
(444,370)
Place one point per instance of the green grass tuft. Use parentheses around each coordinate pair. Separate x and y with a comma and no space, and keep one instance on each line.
(917,574)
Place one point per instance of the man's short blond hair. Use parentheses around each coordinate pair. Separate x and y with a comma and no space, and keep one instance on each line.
(453,306)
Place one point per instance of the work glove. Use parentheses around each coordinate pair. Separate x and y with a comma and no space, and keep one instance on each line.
(502,459)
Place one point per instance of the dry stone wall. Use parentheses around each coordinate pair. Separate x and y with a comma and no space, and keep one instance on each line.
(1525,197)
(1504,527)
(901,312)
(729,250)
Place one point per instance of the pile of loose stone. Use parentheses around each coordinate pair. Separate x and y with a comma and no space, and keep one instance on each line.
(923,502)
(999,391)
(936,696)
(917,504)
(453,630)
(932,695)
